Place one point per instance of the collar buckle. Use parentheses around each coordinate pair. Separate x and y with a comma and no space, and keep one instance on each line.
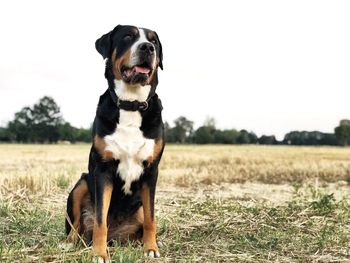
(143,105)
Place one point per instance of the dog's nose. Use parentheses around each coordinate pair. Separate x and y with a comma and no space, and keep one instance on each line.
(147,47)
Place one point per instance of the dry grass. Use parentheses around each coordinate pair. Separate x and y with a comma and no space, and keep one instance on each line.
(193,165)
(44,168)
(214,204)
(41,169)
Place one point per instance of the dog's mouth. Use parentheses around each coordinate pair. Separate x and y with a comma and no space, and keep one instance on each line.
(136,74)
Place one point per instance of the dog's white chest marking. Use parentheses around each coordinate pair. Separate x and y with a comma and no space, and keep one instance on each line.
(129,146)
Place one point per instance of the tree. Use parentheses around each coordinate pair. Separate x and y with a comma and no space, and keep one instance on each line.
(267,139)
(204,135)
(69,133)
(226,136)
(253,139)
(342,132)
(169,135)
(21,128)
(4,135)
(329,139)
(46,119)
(83,135)
(243,137)
(309,138)
(181,132)
(37,124)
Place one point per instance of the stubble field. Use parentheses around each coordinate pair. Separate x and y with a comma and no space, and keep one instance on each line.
(214,204)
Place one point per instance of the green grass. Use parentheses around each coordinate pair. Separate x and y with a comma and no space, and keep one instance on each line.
(311,227)
(302,230)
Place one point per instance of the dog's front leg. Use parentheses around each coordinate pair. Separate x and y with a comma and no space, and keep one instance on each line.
(103,193)
(149,224)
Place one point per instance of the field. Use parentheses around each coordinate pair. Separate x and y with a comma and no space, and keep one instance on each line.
(214,204)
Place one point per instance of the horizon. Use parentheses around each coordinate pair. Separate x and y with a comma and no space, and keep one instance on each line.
(171,125)
(268,67)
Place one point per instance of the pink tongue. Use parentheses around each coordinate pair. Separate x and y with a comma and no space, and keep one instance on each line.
(142,70)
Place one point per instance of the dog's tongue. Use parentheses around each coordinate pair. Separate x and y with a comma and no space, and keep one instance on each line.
(142,70)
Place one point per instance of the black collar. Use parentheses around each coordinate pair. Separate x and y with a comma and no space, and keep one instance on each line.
(129,105)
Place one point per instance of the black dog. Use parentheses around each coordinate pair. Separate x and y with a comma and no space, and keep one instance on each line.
(115,200)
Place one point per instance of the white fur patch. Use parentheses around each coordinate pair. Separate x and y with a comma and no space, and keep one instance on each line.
(127,143)
(134,59)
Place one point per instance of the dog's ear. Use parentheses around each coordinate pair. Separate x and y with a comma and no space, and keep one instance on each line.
(104,44)
(160,52)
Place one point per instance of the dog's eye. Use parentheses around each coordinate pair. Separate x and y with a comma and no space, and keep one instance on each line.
(127,37)
(154,41)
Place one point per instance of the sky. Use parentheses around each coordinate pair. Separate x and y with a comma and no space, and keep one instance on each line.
(265,66)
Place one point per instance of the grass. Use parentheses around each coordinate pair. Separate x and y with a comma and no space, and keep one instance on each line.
(207,210)
(229,231)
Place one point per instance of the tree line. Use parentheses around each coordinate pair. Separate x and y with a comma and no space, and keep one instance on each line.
(183,132)
(43,123)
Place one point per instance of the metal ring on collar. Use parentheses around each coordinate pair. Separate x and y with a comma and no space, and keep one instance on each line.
(144,105)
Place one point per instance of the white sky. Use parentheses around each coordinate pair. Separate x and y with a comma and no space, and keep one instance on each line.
(266,66)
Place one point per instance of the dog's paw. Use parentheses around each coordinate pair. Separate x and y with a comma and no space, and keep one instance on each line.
(152,254)
(151,250)
(97,259)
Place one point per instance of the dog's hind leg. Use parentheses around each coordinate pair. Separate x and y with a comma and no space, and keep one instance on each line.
(74,203)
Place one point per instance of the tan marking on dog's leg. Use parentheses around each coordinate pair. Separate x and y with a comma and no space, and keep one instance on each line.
(100,230)
(78,195)
(149,225)
(100,146)
(158,146)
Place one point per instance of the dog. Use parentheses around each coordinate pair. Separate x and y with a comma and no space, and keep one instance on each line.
(115,199)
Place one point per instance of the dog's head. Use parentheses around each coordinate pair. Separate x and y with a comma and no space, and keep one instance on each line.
(133,53)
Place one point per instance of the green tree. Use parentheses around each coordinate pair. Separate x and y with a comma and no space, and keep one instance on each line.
(309,138)
(83,135)
(182,131)
(169,137)
(329,139)
(37,124)
(4,135)
(243,137)
(46,119)
(69,133)
(253,139)
(226,136)
(21,128)
(267,139)
(204,135)
(342,132)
